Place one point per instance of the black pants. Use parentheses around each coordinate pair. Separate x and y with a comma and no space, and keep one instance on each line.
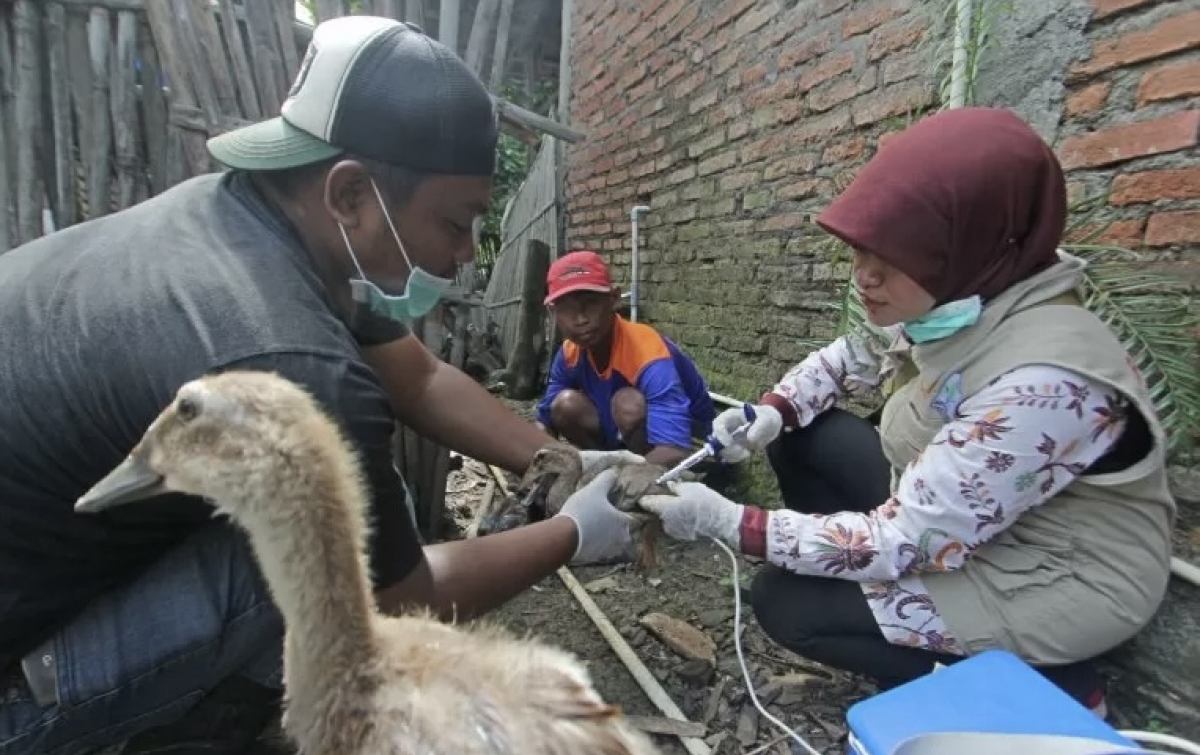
(837,464)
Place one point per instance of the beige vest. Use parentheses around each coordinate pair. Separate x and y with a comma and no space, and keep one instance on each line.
(1085,571)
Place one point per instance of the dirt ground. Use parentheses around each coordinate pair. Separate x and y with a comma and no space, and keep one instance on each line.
(693,584)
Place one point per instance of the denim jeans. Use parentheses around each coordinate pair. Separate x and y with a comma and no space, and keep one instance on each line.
(143,655)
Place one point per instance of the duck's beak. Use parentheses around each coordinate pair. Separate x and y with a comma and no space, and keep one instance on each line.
(535,500)
(133,480)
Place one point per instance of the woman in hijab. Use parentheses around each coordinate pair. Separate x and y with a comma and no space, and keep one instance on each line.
(1014,495)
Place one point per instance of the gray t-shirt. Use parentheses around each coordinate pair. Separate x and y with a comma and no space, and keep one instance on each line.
(100,324)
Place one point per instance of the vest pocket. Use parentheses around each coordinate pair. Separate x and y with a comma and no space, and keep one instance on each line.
(1011,568)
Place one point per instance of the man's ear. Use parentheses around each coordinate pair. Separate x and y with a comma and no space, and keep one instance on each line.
(347,192)
(616,298)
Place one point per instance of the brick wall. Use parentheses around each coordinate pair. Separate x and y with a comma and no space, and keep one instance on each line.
(1132,127)
(734,120)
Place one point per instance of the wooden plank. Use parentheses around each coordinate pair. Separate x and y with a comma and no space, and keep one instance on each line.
(197,68)
(414,12)
(62,122)
(527,119)
(389,9)
(154,112)
(79,63)
(285,17)
(212,52)
(162,27)
(8,145)
(97,151)
(29,187)
(264,57)
(247,93)
(123,105)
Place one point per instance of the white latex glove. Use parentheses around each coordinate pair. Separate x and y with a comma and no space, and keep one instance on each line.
(596,461)
(767,424)
(604,532)
(696,510)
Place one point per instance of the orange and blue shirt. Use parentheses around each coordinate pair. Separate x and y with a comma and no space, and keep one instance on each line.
(678,406)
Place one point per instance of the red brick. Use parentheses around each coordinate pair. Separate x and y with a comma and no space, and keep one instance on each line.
(827,7)
(1152,185)
(1125,233)
(735,181)
(829,67)
(843,151)
(753,74)
(831,95)
(789,110)
(1102,9)
(1173,228)
(898,100)
(821,127)
(1089,100)
(732,10)
(753,21)
(1170,82)
(904,67)
(805,187)
(1120,143)
(892,38)
(784,221)
(805,50)
(876,14)
(795,165)
(1168,36)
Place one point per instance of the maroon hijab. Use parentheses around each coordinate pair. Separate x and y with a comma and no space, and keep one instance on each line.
(967,201)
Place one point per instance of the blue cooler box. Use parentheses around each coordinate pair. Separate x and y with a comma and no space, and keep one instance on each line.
(993,692)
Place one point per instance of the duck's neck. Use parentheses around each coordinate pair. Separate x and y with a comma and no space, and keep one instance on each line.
(312,558)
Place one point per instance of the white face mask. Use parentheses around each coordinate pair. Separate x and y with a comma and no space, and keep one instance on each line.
(422,292)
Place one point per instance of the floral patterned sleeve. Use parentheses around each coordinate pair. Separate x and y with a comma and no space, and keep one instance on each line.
(849,366)
(1011,447)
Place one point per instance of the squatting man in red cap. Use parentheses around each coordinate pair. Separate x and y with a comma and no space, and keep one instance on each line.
(337,222)
(614,383)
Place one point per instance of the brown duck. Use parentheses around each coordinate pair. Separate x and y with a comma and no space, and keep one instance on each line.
(357,682)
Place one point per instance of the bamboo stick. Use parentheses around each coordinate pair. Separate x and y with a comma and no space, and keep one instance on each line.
(194,156)
(97,155)
(627,654)
(198,69)
(29,186)
(285,18)
(61,122)
(265,60)
(240,63)
(126,127)
(154,113)
(211,51)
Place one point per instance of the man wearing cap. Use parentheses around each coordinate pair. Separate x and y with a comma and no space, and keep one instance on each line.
(338,222)
(613,383)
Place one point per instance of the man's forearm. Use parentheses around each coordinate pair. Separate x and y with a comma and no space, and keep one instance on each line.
(466,578)
(441,402)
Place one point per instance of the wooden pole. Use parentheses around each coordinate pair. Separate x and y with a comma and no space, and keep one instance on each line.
(126,128)
(247,93)
(97,155)
(62,124)
(8,141)
(154,112)
(29,186)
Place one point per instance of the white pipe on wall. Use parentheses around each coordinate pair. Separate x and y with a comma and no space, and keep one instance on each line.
(633,273)
(964,12)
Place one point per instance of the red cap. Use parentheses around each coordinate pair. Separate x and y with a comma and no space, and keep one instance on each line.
(577,271)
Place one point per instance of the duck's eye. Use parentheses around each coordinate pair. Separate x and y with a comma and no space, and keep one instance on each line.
(187,409)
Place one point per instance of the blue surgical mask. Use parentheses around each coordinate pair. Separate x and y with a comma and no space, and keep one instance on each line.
(422,292)
(944,321)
